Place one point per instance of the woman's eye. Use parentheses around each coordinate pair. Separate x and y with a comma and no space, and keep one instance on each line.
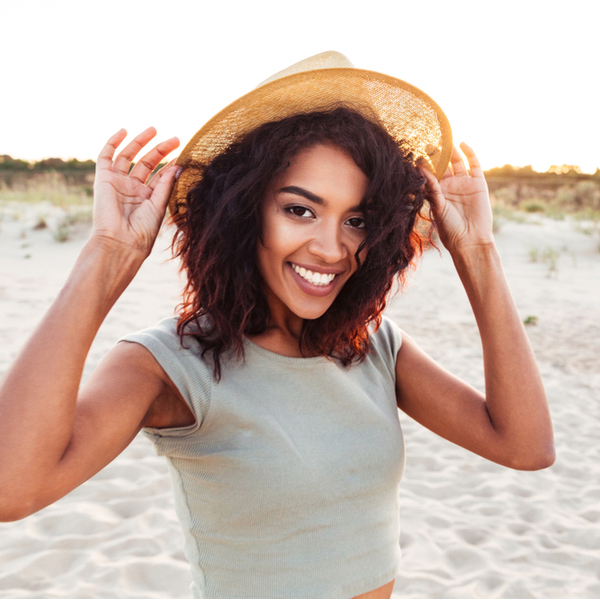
(300,211)
(356,222)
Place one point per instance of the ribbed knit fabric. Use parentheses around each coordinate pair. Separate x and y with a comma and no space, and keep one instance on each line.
(287,484)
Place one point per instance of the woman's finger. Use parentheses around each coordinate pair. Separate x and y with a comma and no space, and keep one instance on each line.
(474,165)
(144,167)
(106,154)
(126,156)
(162,191)
(156,177)
(433,187)
(448,173)
(458,166)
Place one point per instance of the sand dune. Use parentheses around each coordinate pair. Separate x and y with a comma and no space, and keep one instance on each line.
(471,529)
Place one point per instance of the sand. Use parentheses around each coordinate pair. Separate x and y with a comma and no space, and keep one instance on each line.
(470,528)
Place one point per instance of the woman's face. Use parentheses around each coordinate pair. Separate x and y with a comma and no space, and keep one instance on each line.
(312,227)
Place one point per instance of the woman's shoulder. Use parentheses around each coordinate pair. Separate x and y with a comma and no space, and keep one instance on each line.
(165,333)
(385,342)
(182,360)
(388,334)
(178,355)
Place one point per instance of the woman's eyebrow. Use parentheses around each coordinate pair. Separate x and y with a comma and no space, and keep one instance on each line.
(298,191)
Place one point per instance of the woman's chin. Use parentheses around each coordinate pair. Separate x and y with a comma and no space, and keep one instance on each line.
(309,313)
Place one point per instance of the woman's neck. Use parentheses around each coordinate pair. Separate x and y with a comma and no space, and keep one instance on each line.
(282,335)
(283,332)
(278,341)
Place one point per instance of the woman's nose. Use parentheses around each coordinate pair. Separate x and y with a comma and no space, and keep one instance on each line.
(328,244)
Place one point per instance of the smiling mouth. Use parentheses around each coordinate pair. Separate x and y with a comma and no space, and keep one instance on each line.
(318,279)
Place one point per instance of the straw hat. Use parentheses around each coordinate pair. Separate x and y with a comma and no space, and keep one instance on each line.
(322,82)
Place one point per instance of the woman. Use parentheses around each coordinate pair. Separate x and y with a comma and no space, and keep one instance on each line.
(274,394)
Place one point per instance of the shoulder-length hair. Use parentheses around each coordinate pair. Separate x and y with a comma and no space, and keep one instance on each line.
(217,235)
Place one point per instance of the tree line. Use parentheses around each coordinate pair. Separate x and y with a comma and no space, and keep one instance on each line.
(16,165)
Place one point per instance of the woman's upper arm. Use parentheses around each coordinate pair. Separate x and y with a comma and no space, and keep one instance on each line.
(111,409)
(444,403)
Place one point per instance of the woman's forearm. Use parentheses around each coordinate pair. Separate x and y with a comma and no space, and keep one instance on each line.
(515,397)
(38,394)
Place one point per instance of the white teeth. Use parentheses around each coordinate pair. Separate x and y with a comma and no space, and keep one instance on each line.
(314,278)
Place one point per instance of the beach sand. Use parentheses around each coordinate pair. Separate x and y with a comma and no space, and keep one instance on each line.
(470,528)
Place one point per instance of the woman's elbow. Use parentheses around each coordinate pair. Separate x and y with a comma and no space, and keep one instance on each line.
(14,507)
(14,512)
(533,461)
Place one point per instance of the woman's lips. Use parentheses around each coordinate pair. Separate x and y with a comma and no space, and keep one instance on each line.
(315,276)
(311,288)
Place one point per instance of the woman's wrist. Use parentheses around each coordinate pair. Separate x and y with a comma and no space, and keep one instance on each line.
(480,270)
(117,249)
(475,255)
(103,271)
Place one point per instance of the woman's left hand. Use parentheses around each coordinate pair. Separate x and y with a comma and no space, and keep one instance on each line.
(461,204)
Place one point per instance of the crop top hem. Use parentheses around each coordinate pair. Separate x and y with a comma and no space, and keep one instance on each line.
(369,584)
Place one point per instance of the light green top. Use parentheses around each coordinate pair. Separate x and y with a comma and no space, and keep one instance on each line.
(287,484)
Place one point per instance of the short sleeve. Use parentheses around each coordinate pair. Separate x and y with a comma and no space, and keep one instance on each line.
(386,342)
(186,368)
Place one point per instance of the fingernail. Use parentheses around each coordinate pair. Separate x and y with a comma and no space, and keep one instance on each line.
(179,170)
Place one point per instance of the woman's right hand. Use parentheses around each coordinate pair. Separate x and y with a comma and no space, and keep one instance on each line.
(128,210)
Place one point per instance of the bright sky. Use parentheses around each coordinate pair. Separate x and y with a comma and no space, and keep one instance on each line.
(518,80)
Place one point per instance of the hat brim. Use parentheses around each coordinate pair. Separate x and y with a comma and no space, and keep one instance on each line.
(409,115)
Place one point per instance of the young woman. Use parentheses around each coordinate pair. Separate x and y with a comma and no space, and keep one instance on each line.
(274,393)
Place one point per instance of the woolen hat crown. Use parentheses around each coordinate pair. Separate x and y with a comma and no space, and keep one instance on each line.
(322,82)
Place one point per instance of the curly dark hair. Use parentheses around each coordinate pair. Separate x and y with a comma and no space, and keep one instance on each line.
(217,235)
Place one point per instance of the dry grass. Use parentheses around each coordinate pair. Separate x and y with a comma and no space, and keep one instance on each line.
(51,187)
(48,201)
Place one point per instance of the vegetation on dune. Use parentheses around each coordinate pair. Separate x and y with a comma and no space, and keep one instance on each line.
(560,191)
(54,180)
